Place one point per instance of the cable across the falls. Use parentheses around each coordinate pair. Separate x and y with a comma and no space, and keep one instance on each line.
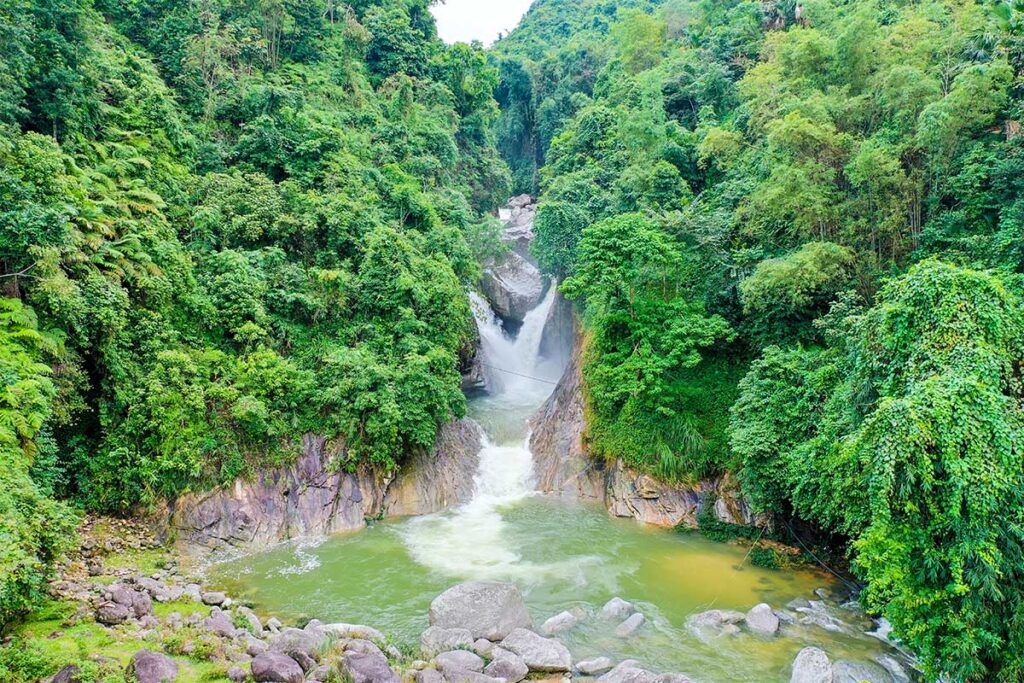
(518,374)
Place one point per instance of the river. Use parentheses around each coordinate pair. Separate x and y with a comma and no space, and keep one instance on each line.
(563,555)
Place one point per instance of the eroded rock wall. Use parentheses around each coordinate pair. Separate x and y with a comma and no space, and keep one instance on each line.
(308,498)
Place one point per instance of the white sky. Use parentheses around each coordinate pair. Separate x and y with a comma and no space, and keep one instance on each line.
(483,20)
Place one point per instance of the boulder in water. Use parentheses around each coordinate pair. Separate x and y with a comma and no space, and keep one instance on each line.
(595,666)
(562,621)
(859,672)
(538,653)
(630,626)
(513,286)
(762,620)
(811,665)
(617,608)
(490,610)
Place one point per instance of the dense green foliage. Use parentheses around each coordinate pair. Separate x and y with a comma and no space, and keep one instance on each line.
(831,191)
(235,222)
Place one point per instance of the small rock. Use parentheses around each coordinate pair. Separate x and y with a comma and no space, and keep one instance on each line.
(219,623)
(617,608)
(760,619)
(292,640)
(539,653)
(507,665)
(811,665)
(472,677)
(630,625)
(213,598)
(111,614)
(483,647)
(428,676)
(353,631)
(628,671)
(715,618)
(236,674)
(364,647)
(152,667)
(436,639)
(458,660)
(255,625)
(562,621)
(274,624)
(274,667)
(594,667)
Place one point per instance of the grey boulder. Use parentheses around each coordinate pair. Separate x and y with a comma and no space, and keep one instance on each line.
(859,672)
(628,671)
(152,667)
(617,608)
(507,665)
(811,665)
(538,653)
(368,668)
(762,620)
(437,639)
(563,621)
(595,666)
(459,660)
(630,626)
(274,667)
(487,609)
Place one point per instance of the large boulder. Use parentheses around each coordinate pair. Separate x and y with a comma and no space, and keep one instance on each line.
(274,667)
(538,653)
(487,609)
(762,620)
(811,665)
(513,286)
(152,667)
(112,613)
(368,668)
(292,641)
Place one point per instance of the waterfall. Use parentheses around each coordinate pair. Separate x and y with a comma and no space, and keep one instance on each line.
(470,541)
(512,365)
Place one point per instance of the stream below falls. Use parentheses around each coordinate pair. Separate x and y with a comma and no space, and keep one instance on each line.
(562,554)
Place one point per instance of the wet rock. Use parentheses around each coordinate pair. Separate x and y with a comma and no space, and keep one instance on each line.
(436,639)
(630,626)
(441,478)
(715,618)
(811,665)
(595,666)
(488,610)
(459,660)
(894,667)
(275,667)
(152,667)
(539,653)
(617,608)
(563,621)
(513,286)
(368,668)
(507,665)
(859,672)
(762,620)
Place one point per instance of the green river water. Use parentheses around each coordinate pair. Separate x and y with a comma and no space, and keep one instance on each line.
(562,554)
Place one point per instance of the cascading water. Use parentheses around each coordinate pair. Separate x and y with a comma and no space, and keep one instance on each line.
(471,539)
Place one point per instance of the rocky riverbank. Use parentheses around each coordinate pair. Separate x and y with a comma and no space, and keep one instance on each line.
(132,613)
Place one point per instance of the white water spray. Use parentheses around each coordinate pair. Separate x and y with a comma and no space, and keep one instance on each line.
(471,540)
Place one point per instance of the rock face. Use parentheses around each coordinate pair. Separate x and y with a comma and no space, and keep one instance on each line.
(308,498)
(486,609)
(432,482)
(518,218)
(563,467)
(513,285)
(560,462)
